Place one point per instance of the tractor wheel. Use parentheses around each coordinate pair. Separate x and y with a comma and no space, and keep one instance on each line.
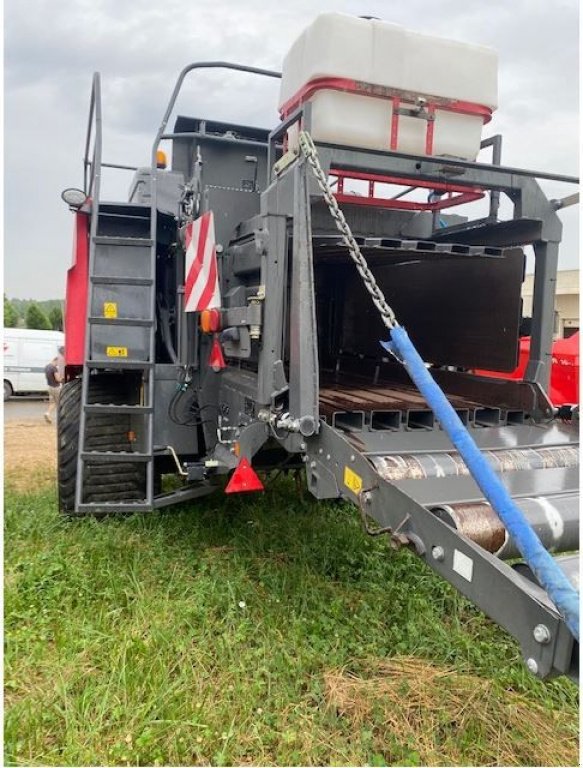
(111,482)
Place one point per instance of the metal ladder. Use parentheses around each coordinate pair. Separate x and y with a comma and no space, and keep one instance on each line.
(123,341)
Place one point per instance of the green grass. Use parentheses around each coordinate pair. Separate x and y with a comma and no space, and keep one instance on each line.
(205,635)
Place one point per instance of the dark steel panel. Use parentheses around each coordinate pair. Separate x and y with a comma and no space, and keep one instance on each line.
(135,339)
(233,205)
(132,301)
(444,299)
(113,260)
(487,438)
(183,439)
(501,233)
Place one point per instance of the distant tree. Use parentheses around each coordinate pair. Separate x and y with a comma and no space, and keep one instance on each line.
(10,314)
(56,318)
(36,318)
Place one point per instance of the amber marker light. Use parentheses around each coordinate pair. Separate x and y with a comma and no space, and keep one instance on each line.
(161,161)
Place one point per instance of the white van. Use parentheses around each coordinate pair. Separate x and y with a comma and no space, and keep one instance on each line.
(26,354)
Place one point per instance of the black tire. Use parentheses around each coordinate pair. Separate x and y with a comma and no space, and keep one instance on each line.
(8,392)
(111,482)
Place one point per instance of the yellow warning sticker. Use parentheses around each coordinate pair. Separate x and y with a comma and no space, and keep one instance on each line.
(110,310)
(116,351)
(352,480)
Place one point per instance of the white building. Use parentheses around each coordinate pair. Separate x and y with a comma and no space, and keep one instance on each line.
(566,301)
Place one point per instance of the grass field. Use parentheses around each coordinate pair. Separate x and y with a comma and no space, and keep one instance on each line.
(262,630)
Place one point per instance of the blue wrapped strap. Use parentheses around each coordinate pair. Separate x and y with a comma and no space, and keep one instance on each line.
(545,569)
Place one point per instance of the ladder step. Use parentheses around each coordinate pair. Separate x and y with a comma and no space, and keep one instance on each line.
(126,216)
(137,241)
(138,410)
(114,506)
(120,321)
(100,280)
(114,457)
(119,364)
(115,208)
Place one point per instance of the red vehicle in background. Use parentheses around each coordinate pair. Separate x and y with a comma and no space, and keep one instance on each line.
(564,389)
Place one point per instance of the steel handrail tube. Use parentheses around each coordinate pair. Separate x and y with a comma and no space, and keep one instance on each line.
(94,117)
(180,80)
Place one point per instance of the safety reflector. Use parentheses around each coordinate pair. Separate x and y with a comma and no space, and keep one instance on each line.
(201,286)
(210,320)
(216,359)
(243,479)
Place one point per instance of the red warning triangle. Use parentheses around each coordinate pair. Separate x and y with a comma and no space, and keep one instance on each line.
(216,359)
(243,479)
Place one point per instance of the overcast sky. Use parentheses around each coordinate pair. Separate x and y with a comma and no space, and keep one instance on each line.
(52,47)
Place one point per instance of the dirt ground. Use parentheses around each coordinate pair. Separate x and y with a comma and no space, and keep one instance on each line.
(30,454)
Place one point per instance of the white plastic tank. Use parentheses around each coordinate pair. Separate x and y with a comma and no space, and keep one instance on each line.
(402,63)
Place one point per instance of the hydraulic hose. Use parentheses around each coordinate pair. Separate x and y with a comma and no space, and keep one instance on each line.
(545,569)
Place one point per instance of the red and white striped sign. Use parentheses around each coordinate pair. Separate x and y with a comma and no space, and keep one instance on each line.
(201,288)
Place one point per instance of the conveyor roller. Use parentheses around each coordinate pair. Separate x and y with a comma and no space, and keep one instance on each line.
(555,519)
(443,464)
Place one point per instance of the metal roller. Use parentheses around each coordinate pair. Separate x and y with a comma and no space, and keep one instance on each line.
(569,564)
(554,518)
(446,464)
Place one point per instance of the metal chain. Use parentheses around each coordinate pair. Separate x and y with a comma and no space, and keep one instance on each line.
(311,154)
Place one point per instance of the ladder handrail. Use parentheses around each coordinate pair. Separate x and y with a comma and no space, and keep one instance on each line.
(92,177)
(91,187)
(153,201)
(180,81)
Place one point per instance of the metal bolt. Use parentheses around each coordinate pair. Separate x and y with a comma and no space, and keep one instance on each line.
(302,446)
(327,457)
(367,497)
(320,451)
(313,465)
(438,553)
(532,666)
(353,457)
(542,634)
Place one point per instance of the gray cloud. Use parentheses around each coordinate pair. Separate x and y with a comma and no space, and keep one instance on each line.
(52,48)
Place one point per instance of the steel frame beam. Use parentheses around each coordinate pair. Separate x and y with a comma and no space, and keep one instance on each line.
(495,587)
(529,202)
(492,585)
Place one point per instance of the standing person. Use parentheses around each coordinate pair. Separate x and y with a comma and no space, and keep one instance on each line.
(61,363)
(54,379)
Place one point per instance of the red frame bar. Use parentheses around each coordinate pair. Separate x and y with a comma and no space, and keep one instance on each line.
(464,194)
(409,205)
(433,103)
(430,130)
(348,85)
(76,296)
(395,124)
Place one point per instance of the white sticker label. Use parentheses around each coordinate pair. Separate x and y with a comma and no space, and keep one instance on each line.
(463,565)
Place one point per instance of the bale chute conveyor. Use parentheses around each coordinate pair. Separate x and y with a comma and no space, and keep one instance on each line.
(217,328)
